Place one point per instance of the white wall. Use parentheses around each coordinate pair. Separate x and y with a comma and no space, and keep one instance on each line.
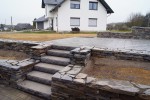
(47,10)
(50,16)
(64,14)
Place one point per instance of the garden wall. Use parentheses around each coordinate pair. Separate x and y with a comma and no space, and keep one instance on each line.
(17,45)
(34,49)
(71,84)
(122,55)
(137,33)
(12,71)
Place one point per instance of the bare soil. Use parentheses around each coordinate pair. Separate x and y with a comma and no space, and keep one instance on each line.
(108,68)
(13,55)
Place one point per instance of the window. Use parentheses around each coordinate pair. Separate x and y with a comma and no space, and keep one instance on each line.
(93,5)
(74,21)
(75,4)
(92,22)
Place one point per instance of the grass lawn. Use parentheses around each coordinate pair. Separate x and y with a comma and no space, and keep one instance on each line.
(43,36)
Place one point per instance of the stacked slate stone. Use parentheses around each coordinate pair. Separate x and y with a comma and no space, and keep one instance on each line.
(137,33)
(13,71)
(80,56)
(39,51)
(122,54)
(70,84)
(17,45)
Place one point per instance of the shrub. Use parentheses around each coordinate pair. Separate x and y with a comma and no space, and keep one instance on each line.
(75,29)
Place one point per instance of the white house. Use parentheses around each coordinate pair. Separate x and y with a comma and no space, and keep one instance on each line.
(62,15)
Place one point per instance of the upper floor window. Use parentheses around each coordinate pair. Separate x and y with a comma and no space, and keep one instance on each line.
(75,4)
(93,5)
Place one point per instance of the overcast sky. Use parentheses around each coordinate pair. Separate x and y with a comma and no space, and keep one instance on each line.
(24,11)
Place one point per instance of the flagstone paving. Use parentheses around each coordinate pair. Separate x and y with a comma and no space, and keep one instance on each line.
(8,93)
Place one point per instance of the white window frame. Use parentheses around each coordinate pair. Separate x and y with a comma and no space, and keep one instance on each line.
(92,25)
(73,21)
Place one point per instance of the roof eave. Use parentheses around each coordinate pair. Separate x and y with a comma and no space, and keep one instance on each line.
(107,7)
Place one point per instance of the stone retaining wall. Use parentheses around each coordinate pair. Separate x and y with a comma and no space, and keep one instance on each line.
(122,55)
(80,56)
(71,84)
(17,45)
(137,33)
(32,48)
(13,71)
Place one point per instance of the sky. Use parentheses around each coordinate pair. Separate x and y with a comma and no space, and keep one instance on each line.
(24,11)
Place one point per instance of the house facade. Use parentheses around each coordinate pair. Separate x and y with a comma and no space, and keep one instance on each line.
(63,15)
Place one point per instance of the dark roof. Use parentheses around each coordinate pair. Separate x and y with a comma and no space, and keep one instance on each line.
(107,7)
(41,19)
(57,6)
(109,10)
(50,2)
(22,26)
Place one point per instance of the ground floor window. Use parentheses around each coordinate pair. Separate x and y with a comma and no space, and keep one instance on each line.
(74,21)
(92,22)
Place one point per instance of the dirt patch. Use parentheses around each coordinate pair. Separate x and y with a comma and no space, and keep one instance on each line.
(13,55)
(107,68)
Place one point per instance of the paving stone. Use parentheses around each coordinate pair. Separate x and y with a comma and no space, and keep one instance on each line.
(79,81)
(8,93)
(74,71)
(66,78)
(40,77)
(123,87)
(66,69)
(55,60)
(146,95)
(81,76)
(90,80)
(59,53)
(56,76)
(49,68)
(35,88)
(142,86)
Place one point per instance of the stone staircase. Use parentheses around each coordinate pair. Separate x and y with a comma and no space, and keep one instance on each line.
(38,81)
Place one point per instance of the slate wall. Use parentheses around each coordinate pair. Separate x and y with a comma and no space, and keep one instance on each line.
(12,71)
(137,33)
(71,84)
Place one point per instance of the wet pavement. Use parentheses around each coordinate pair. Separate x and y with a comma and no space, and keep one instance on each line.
(8,93)
(133,45)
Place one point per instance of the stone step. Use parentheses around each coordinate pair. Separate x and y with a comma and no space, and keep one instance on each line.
(59,47)
(59,53)
(55,60)
(35,88)
(41,77)
(48,68)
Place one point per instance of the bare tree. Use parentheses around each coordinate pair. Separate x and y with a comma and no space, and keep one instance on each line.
(136,19)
